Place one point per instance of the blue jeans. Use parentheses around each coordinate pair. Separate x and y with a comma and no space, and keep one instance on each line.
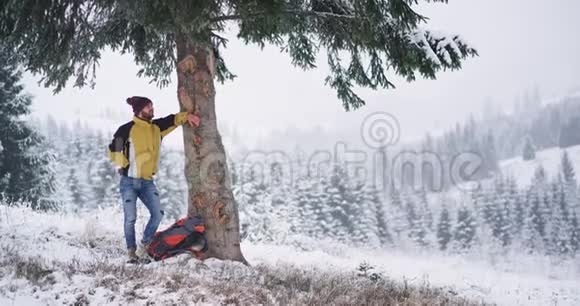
(131,189)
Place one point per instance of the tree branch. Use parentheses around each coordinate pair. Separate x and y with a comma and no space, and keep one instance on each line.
(289,12)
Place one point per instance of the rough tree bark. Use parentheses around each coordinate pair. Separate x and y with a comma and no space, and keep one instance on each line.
(206,171)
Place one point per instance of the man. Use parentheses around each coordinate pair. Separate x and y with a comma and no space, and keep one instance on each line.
(135,152)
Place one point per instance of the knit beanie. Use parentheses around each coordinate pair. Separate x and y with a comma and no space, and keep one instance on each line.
(138,103)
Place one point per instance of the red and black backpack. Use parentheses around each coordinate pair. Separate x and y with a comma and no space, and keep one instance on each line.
(179,238)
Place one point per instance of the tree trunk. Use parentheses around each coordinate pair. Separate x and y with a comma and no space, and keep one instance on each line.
(206,171)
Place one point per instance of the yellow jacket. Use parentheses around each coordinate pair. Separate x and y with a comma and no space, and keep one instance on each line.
(135,145)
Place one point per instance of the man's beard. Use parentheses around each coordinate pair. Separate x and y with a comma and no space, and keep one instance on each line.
(147,116)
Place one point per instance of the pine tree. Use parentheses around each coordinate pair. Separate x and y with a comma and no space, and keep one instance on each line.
(280,202)
(319,207)
(395,196)
(500,213)
(254,204)
(78,194)
(335,212)
(384,231)
(574,234)
(478,199)
(396,210)
(569,133)
(58,40)
(465,229)
(567,168)
(570,184)
(444,229)
(104,183)
(364,216)
(559,240)
(488,207)
(171,186)
(539,179)
(554,123)
(426,213)
(560,200)
(534,231)
(102,177)
(529,151)
(307,201)
(417,230)
(491,159)
(426,218)
(519,213)
(376,212)
(26,159)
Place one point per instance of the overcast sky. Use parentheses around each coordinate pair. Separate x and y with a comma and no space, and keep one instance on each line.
(521,43)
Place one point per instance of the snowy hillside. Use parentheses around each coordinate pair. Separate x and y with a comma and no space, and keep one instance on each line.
(79,259)
(523,171)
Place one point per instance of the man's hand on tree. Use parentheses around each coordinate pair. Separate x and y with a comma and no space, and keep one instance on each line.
(193,120)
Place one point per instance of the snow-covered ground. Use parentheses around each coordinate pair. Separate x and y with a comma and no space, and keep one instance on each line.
(523,171)
(92,243)
(535,285)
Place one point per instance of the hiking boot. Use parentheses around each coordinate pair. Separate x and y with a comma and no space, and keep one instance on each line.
(133,258)
(142,250)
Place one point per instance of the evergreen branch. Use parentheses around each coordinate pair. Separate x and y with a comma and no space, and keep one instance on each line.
(288,12)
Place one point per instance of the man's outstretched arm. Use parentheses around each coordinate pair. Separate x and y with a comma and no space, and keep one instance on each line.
(169,123)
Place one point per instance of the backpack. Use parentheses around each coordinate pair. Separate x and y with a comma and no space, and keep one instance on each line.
(179,238)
